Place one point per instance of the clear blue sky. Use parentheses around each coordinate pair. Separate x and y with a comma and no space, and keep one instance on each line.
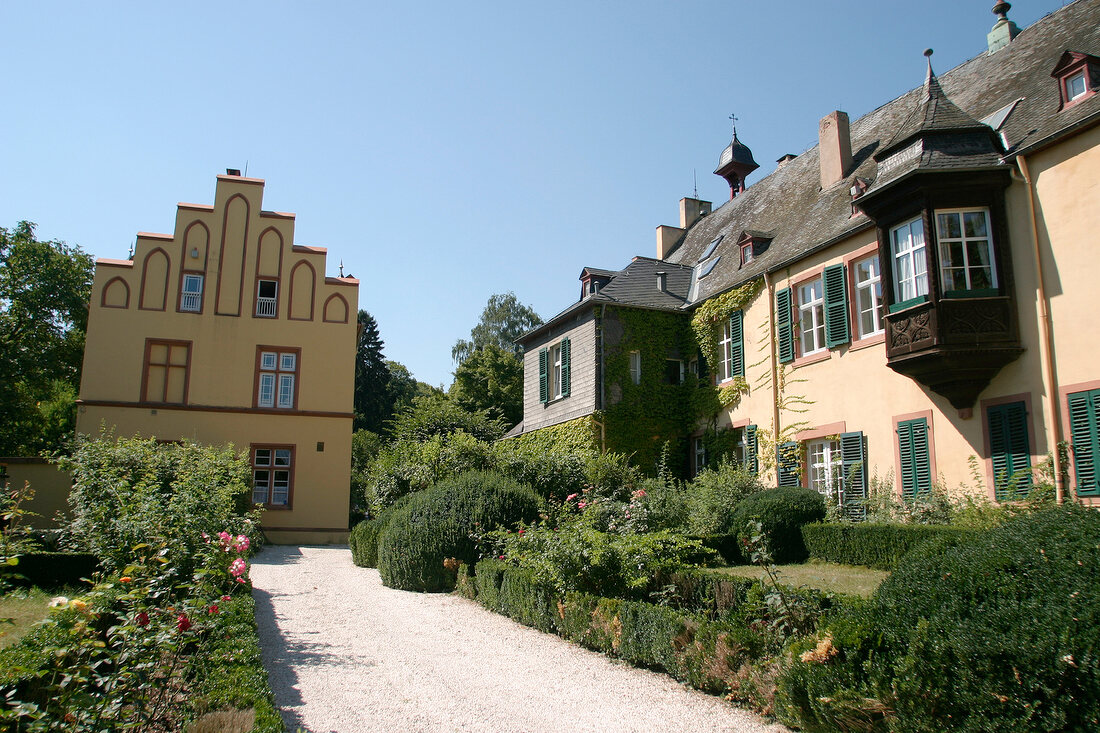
(444,151)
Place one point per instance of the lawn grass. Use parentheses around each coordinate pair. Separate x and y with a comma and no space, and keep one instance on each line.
(827,576)
(26,607)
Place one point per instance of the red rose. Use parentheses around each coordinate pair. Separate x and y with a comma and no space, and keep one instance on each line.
(213,609)
(142,619)
(183,623)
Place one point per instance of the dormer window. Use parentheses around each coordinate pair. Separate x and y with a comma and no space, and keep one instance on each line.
(746,253)
(1075,86)
(1077,75)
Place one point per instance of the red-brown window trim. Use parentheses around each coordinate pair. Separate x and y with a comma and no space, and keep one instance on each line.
(932,468)
(270,488)
(169,343)
(278,350)
(850,261)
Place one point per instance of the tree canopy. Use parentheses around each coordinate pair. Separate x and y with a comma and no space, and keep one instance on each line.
(503,321)
(490,379)
(44,291)
(372,377)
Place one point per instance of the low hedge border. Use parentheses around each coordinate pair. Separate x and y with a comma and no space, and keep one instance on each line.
(710,655)
(53,570)
(878,546)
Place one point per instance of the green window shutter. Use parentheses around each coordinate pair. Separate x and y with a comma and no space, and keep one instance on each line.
(566,371)
(916,467)
(1083,415)
(783,326)
(1009,450)
(737,344)
(836,306)
(544,391)
(788,459)
(854,494)
(752,464)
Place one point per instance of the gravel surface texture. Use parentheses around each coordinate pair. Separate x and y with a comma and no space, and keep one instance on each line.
(345,653)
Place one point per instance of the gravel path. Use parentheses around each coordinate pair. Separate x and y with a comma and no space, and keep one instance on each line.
(345,653)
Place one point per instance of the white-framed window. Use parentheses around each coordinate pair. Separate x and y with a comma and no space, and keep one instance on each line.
(725,354)
(272,474)
(267,298)
(910,265)
(869,304)
(555,371)
(746,253)
(1075,86)
(700,455)
(966,250)
(276,377)
(191,294)
(826,466)
(811,316)
(636,367)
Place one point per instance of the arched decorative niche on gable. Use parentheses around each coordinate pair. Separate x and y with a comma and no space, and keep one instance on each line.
(336,309)
(116,293)
(303,280)
(154,281)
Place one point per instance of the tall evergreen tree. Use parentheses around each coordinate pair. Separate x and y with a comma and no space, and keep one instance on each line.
(373,405)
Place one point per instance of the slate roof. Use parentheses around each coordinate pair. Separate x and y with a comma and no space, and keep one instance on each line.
(1011,89)
(790,203)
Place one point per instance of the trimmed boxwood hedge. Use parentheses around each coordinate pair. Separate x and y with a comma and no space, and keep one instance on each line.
(996,633)
(363,539)
(54,569)
(874,545)
(782,512)
(438,523)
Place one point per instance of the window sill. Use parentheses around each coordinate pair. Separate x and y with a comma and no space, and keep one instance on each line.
(867,341)
(813,358)
(964,294)
(555,401)
(906,304)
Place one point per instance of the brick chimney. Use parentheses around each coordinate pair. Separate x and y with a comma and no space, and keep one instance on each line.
(834,147)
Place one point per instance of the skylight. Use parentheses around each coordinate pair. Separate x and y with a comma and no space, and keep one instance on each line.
(710,248)
(709,266)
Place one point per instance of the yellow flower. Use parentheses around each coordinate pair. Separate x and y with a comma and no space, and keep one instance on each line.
(78,605)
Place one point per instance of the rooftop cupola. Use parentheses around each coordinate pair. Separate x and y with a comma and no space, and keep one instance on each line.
(735,163)
(1004,30)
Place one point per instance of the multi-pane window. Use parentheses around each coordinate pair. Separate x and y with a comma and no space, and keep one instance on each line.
(636,367)
(910,266)
(191,294)
(1075,86)
(700,455)
(166,372)
(276,378)
(725,354)
(272,475)
(674,371)
(868,296)
(826,466)
(555,371)
(811,320)
(966,252)
(267,298)
(746,253)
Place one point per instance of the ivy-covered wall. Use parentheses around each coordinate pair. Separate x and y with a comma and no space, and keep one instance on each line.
(641,418)
(579,435)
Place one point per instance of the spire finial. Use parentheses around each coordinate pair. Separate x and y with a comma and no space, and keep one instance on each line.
(341,268)
(1001,9)
(734,118)
(928,56)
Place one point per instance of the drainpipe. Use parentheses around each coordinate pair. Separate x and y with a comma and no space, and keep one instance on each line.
(773,349)
(1046,342)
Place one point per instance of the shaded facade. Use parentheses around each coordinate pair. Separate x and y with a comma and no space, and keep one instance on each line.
(225,331)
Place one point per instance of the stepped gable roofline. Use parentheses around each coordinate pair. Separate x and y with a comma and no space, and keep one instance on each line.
(805,219)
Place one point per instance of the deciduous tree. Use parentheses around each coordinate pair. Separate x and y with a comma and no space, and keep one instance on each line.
(503,321)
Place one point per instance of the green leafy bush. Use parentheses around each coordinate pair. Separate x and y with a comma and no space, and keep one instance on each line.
(54,569)
(715,494)
(996,633)
(874,545)
(133,491)
(439,523)
(781,513)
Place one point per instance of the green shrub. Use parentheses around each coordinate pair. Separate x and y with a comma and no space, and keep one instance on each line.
(874,545)
(553,473)
(996,633)
(54,569)
(133,491)
(701,592)
(439,524)
(715,494)
(665,503)
(781,512)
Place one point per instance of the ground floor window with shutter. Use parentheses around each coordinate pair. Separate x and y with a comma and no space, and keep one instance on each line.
(1084,422)
(1009,450)
(914,457)
(272,475)
(826,467)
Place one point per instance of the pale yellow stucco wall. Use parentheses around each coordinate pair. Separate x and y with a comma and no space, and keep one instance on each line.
(233,244)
